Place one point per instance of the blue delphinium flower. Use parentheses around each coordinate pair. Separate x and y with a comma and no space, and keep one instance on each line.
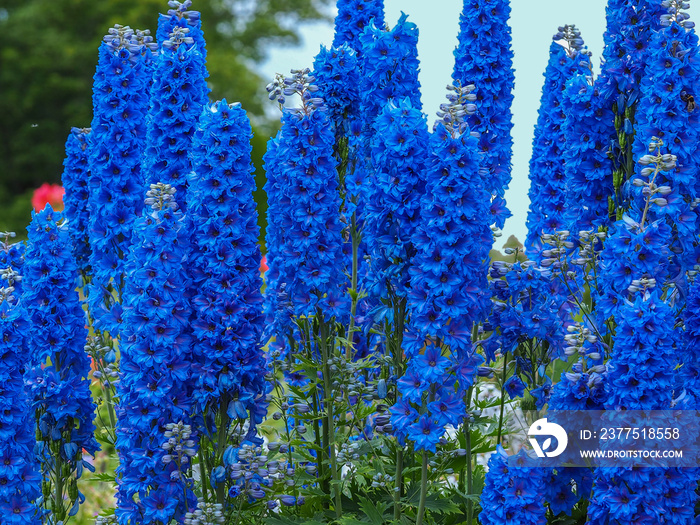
(640,377)
(120,104)
(310,263)
(629,27)
(689,379)
(225,267)
(589,129)
(394,189)
(76,178)
(451,239)
(484,58)
(20,480)
(547,167)
(512,491)
(666,109)
(12,260)
(277,307)
(178,95)
(337,75)
(353,16)
(156,359)
(528,305)
(389,63)
(58,382)
(514,386)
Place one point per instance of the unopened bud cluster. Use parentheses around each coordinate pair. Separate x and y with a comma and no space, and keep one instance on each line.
(161,196)
(178,36)
(676,13)
(460,104)
(299,83)
(206,514)
(180,446)
(572,36)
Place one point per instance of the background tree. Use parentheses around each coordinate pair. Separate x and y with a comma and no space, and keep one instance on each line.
(48,53)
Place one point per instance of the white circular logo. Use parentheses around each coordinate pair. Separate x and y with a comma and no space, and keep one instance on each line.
(542,427)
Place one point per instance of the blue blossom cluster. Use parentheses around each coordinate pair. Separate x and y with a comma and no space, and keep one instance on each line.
(589,129)
(12,261)
(178,96)
(689,376)
(75,178)
(633,259)
(484,58)
(629,27)
(57,381)
(156,361)
(666,110)
(120,104)
(224,263)
(389,64)
(527,304)
(336,71)
(448,288)
(547,168)
(309,231)
(583,388)
(277,305)
(20,481)
(636,259)
(393,207)
(513,491)
(353,16)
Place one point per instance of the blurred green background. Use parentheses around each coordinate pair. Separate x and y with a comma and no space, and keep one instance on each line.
(48,54)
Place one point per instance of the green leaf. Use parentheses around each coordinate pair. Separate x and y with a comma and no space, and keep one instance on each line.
(374,511)
(102,477)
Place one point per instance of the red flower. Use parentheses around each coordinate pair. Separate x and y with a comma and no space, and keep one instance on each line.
(263,265)
(48,194)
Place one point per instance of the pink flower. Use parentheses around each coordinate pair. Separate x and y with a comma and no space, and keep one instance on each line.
(48,194)
(263,265)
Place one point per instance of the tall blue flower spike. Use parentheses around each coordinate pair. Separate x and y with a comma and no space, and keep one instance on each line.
(76,180)
(547,168)
(393,208)
(57,379)
(178,96)
(636,267)
(155,366)
(666,109)
(120,104)
(448,284)
(589,129)
(20,475)
(305,177)
(225,268)
(484,58)
(353,17)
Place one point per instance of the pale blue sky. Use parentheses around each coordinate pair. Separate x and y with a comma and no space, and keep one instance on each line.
(533,22)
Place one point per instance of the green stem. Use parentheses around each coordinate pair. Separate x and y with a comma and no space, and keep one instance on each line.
(329,424)
(398,481)
(355,235)
(221,441)
(58,510)
(423,489)
(468,447)
(203,474)
(503,398)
